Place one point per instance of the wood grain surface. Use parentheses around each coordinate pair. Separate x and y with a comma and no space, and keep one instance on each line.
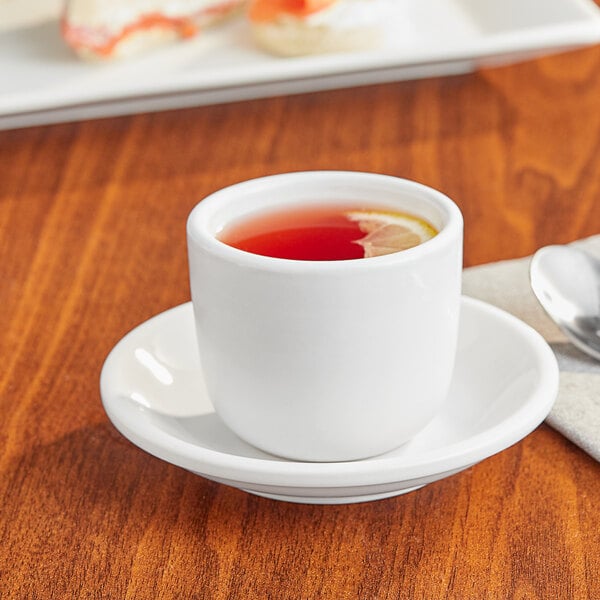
(93,217)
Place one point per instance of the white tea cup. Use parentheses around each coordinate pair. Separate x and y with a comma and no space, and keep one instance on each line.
(326,360)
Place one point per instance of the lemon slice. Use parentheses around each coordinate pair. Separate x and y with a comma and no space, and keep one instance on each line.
(388,232)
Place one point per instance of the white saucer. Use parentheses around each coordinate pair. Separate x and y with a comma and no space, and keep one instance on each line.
(505,382)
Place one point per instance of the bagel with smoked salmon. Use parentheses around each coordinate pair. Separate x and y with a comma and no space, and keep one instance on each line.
(101,29)
(301,27)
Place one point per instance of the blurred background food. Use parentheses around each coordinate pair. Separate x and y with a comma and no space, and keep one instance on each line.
(118,29)
(100,29)
(293,28)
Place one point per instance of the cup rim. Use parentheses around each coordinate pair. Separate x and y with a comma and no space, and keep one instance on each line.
(199,233)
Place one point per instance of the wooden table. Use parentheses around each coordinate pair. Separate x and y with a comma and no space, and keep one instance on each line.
(93,242)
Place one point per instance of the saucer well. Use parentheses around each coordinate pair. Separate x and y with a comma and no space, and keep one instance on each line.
(505,382)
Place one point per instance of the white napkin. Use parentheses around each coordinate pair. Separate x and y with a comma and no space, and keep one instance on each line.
(576,413)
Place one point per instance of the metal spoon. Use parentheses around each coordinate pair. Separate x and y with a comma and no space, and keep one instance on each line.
(566,281)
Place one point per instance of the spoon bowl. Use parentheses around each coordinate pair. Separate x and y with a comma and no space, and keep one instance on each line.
(566,282)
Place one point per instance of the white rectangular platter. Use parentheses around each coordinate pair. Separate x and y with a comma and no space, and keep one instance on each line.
(42,82)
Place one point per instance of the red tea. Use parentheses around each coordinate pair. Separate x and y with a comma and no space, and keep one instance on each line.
(326,233)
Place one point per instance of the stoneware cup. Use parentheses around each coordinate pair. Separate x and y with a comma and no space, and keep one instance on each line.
(326,360)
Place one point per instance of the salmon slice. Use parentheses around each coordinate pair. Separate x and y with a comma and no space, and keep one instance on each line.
(270,10)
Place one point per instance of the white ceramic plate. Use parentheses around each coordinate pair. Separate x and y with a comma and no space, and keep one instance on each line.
(505,382)
(42,82)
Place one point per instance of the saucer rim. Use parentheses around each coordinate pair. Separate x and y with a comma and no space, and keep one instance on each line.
(123,411)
